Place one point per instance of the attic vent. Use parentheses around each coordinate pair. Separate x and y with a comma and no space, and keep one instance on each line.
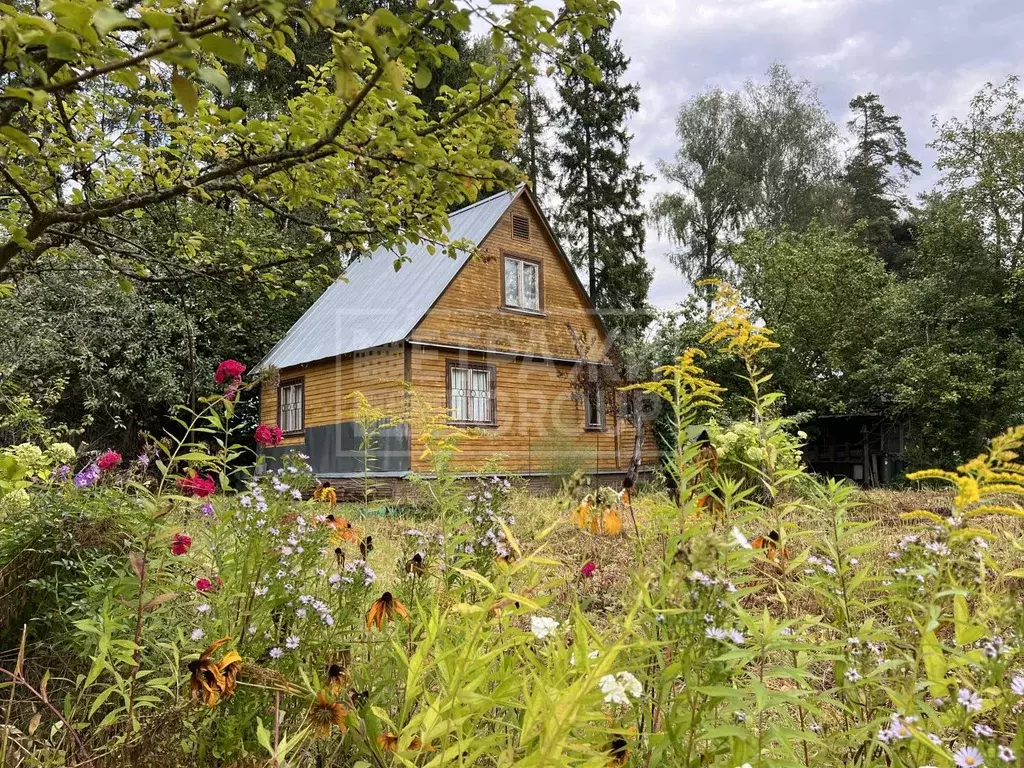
(520,227)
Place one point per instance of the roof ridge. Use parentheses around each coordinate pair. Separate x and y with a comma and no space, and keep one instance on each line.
(489,198)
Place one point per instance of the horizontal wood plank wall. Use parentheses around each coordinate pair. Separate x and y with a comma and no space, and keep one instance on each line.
(469,312)
(540,425)
(377,373)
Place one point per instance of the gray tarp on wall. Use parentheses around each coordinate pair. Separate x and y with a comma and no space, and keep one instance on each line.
(333,449)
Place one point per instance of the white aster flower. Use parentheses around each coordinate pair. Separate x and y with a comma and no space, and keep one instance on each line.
(739,539)
(542,626)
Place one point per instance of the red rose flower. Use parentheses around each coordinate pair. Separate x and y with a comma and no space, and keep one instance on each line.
(588,569)
(268,437)
(108,460)
(181,543)
(199,486)
(229,371)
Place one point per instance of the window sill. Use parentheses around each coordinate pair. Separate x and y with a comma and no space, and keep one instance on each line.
(595,429)
(297,433)
(473,424)
(527,312)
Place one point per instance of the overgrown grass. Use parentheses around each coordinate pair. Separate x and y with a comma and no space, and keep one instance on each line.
(760,616)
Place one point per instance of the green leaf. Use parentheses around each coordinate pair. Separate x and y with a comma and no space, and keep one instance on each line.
(967,633)
(423,77)
(216,78)
(185,93)
(934,664)
(19,138)
(125,284)
(107,19)
(223,48)
(62,45)
(157,20)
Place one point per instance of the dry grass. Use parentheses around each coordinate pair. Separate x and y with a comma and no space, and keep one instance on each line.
(617,559)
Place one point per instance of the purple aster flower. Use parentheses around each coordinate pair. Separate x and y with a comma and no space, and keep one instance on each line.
(207,508)
(969,700)
(1017,685)
(142,460)
(276,653)
(87,476)
(62,472)
(968,757)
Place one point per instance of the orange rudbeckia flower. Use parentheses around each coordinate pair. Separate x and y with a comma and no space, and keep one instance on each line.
(383,610)
(388,742)
(343,530)
(325,714)
(581,515)
(213,679)
(609,524)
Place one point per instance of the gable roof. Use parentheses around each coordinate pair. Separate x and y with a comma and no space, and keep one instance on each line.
(375,305)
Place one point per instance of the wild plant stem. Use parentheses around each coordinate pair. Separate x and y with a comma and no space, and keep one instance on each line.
(138,624)
(277,725)
(18,679)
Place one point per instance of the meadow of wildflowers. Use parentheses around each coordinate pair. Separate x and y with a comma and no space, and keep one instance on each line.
(194,607)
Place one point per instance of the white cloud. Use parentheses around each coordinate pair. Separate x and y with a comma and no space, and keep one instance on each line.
(922,58)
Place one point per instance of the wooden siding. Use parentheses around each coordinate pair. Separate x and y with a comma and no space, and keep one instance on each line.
(377,373)
(540,425)
(470,314)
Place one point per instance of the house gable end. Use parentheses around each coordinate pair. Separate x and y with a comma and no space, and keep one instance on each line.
(472,312)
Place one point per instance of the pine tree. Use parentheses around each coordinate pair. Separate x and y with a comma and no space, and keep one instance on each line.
(877,174)
(601,219)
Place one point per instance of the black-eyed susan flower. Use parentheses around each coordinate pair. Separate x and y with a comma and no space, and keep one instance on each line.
(208,683)
(383,610)
(618,751)
(324,714)
(337,678)
(388,742)
(366,546)
(414,567)
(230,667)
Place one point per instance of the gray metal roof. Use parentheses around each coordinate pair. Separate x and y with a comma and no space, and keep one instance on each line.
(373,304)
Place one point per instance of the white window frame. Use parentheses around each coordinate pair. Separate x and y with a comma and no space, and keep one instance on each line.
(290,406)
(472,393)
(519,300)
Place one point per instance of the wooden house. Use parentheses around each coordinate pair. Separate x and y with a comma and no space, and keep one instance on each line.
(497,339)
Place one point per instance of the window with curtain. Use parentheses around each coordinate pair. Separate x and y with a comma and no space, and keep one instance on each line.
(289,407)
(522,284)
(471,393)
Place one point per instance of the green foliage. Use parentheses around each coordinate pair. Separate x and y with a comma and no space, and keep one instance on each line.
(601,219)
(877,175)
(761,157)
(822,649)
(821,292)
(109,116)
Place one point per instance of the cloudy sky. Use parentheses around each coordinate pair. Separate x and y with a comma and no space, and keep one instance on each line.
(923,57)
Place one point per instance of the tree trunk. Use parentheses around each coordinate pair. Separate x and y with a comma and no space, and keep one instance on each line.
(531,128)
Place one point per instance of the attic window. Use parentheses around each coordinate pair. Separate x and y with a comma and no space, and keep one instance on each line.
(520,227)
